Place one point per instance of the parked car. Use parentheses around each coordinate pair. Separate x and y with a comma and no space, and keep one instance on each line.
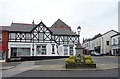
(95,54)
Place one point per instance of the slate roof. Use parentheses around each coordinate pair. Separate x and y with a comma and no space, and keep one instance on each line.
(96,36)
(22,27)
(62,31)
(60,23)
(5,28)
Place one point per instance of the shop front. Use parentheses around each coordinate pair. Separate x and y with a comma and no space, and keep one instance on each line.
(3,53)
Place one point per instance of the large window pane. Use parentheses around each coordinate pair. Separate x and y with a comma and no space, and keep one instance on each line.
(20,52)
(71,50)
(41,50)
(65,50)
(27,36)
(12,35)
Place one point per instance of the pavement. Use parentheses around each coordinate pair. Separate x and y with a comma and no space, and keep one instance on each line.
(11,71)
(61,67)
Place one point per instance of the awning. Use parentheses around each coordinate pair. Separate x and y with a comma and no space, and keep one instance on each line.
(3,48)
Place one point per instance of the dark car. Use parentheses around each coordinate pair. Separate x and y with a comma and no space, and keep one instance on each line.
(95,54)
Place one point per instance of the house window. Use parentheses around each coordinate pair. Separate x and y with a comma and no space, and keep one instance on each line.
(65,38)
(12,35)
(118,40)
(27,36)
(0,36)
(113,41)
(41,36)
(52,37)
(53,49)
(65,50)
(41,50)
(71,50)
(107,42)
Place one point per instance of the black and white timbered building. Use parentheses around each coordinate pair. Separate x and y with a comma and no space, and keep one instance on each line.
(40,40)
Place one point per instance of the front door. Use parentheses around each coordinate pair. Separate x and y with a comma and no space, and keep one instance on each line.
(13,52)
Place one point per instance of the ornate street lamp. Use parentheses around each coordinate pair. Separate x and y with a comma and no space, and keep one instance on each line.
(78,30)
(79,48)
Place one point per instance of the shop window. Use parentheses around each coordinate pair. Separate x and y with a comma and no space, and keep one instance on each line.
(71,50)
(65,50)
(20,52)
(2,55)
(41,50)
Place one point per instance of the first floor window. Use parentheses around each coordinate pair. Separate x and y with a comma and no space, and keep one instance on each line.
(41,50)
(28,36)
(41,36)
(65,50)
(65,38)
(12,35)
(107,42)
(71,50)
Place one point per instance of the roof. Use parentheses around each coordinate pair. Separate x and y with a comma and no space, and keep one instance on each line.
(86,40)
(23,27)
(61,31)
(116,35)
(96,36)
(110,31)
(60,23)
(5,28)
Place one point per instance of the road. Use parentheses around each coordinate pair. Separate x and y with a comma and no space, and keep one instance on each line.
(101,73)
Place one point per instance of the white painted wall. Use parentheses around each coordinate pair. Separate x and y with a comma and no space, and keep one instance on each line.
(48,48)
(19,45)
(114,45)
(107,37)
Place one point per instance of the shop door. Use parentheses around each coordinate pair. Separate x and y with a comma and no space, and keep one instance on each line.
(13,52)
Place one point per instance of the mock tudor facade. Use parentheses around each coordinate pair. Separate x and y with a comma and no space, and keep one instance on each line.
(25,40)
(100,43)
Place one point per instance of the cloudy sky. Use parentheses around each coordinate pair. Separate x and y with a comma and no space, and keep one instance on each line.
(94,16)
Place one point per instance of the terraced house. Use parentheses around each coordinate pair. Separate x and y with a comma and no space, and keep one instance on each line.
(100,43)
(28,40)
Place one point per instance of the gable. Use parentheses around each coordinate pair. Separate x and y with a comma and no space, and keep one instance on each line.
(60,23)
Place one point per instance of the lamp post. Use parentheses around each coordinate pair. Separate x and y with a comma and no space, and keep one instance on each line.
(79,29)
(79,48)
